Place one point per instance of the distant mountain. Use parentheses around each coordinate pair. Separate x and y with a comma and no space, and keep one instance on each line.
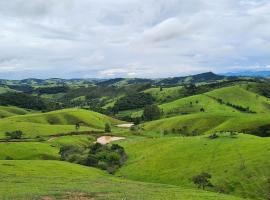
(124,81)
(249,73)
(198,78)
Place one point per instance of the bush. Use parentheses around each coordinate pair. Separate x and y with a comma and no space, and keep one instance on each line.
(202,180)
(151,112)
(107,128)
(14,135)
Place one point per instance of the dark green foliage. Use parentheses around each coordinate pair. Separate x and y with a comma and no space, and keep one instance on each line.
(14,135)
(262,131)
(202,180)
(151,112)
(67,152)
(105,157)
(107,128)
(202,110)
(77,126)
(213,136)
(23,100)
(133,101)
(51,90)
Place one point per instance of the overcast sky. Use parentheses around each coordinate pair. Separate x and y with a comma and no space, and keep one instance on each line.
(132,38)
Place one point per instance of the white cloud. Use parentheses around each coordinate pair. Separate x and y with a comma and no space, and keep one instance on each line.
(71,38)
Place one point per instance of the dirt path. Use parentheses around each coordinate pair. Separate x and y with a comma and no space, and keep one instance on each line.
(125,125)
(107,139)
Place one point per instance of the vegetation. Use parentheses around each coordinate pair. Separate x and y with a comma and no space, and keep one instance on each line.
(49,131)
(14,135)
(151,112)
(105,157)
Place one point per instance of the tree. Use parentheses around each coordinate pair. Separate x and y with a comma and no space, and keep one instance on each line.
(202,180)
(151,112)
(14,135)
(77,126)
(107,128)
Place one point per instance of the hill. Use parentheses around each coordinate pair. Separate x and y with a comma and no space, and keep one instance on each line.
(8,111)
(198,78)
(55,122)
(235,165)
(61,180)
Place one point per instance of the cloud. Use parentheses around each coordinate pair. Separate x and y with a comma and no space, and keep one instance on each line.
(153,38)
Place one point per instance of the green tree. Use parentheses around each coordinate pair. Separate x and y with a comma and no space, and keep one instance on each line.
(202,180)
(14,135)
(151,112)
(107,128)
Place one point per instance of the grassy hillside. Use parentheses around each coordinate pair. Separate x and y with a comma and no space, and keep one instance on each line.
(8,111)
(167,94)
(56,122)
(238,165)
(80,140)
(238,95)
(203,123)
(27,151)
(50,179)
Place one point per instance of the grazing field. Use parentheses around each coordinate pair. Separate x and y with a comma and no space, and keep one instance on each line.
(165,94)
(28,151)
(56,122)
(238,164)
(203,123)
(61,180)
(8,111)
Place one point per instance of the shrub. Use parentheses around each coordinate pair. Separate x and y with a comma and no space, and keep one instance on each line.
(151,112)
(202,180)
(14,135)
(107,128)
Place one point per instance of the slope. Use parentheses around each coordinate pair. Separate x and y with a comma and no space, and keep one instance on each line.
(239,165)
(61,180)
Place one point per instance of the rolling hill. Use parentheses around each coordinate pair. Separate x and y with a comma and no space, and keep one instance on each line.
(238,164)
(8,111)
(61,180)
(56,122)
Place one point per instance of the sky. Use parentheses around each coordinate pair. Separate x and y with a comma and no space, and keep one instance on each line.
(132,38)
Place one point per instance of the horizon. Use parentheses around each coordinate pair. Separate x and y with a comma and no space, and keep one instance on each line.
(132,38)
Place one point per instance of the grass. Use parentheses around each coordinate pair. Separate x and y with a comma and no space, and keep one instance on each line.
(238,165)
(79,140)
(56,122)
(8,111)
(238,95)
(167,94)
(61,180)
(27,151)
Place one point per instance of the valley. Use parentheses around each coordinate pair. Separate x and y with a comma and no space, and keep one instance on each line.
(201,137)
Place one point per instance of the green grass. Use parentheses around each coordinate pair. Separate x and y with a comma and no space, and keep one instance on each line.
(204,123)
(28,151)
(238,95)
(56,122)
(79,140)
(167,94)
(8,111)
(55,179)
(238,166)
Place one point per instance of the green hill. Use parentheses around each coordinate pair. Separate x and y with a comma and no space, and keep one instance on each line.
(8,111)
(238,165)
(61,180)
(56,122)
(28,151)
(238,95)
(167,94)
